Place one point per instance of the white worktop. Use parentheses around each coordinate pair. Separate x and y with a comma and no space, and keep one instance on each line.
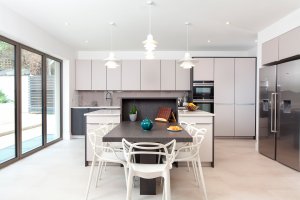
(104,112)
(197,113)
(98,107)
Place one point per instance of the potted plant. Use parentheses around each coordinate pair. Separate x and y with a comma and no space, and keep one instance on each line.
(133,113)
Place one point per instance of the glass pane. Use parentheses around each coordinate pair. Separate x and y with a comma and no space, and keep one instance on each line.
(31,100)
(7,102)
(53,100)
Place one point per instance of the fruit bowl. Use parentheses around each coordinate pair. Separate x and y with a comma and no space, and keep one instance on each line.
(191,107)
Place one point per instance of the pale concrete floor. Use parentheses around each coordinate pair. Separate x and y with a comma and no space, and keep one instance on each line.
(57,173)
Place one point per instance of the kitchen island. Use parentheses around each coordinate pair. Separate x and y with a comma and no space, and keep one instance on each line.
(93,120)
(205,120)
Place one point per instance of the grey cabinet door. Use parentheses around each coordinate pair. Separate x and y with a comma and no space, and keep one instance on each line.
(98,75)
(270,51)
(150,75)
(245,120)
(224,80)
(224,120)
(289,44)
(114,78)
(168,74)
(204,69)
(131,75)
(78,122)
(183,78)
(245,80)
(83,75)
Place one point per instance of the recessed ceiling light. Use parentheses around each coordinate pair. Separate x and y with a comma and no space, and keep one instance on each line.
(255,41)
(86,41)
(227,23)
(67,24)
(208,41)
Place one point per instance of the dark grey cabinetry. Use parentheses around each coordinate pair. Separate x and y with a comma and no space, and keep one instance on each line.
(78,120)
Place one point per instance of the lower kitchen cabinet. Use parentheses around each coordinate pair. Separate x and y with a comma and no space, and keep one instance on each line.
(245,120)
(78,121)
(224,119)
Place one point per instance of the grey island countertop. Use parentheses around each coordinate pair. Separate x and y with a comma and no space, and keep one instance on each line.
(104,112)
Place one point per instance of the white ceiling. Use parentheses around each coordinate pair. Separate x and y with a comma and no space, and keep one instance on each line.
(88,20)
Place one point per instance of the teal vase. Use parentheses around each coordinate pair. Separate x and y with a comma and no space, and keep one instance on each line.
(147,124)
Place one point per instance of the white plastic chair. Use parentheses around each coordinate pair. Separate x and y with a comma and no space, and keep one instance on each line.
(149,171)
(102,153)
(191,153)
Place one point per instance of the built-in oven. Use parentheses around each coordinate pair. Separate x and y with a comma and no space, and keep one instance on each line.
(203,95)
(205,104)
(203,90)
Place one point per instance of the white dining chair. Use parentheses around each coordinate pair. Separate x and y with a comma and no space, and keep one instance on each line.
(191,153)
(149,171)
(103,154)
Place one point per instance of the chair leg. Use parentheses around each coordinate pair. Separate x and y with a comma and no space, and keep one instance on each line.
(129,185)
(195,172)
(188,164)
(90,177)
(167,186)
(202,178)
(163,193)
(98,172)
(126,175)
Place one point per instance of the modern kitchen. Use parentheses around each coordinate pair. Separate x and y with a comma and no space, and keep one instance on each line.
(156,103)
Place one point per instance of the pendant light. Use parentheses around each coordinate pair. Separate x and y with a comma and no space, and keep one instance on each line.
(111,62)
(150,44)
(187,61)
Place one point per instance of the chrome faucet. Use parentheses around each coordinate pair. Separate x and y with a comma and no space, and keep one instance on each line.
(108,97)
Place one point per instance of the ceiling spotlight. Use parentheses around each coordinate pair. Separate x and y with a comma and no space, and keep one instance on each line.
(67,24)
(227,23)
(208,41)
(86,41)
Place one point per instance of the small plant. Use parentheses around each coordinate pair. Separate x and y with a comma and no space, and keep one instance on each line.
(3,97)
(133,110)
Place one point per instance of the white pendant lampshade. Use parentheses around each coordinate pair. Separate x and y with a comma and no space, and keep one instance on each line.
(111,61)
(150,44)
(187,62)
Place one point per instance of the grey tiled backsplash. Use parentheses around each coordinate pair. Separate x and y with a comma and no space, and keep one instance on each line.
(97,98)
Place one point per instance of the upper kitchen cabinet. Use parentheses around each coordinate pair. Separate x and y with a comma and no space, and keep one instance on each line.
(183,78)
(204,69)
(98,75)
(83,74)
(245,69)
(270,51)
(114,78)
(150,75)
(224,81)
(167,74)
(131,75)
(289,44)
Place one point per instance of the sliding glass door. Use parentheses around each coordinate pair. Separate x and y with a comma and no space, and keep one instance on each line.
(32,100)
(7,102)
(53,99)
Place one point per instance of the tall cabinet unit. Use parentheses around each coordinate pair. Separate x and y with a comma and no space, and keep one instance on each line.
(83,71)
(224,96)
(167,74)
(244,96)
(150,74)
(131,75)
(235,96)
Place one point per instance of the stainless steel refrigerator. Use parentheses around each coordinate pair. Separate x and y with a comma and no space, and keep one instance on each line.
(279,123)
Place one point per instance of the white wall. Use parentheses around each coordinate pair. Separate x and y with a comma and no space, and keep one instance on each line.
(126,55)
(16,27)
(283,25)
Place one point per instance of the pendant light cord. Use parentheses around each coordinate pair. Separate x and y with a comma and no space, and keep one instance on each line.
(111,26)
(187,37)
(150,5)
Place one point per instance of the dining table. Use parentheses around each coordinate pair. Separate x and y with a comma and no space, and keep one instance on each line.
(133,132)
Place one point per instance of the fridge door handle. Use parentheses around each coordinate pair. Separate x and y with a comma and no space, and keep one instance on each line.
(275,112)
(272,112)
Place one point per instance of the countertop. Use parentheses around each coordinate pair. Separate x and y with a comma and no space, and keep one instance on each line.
(197,113)
(104,112)
(99,107)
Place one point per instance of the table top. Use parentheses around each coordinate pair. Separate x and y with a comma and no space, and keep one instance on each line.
(133,132)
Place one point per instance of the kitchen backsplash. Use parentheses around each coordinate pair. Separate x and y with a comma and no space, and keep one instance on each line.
(97,98)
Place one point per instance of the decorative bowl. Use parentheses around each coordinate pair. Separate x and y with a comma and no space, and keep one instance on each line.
(147,124)
(192,108)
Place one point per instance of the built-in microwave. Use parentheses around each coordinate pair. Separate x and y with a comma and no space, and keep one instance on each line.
(203,90)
